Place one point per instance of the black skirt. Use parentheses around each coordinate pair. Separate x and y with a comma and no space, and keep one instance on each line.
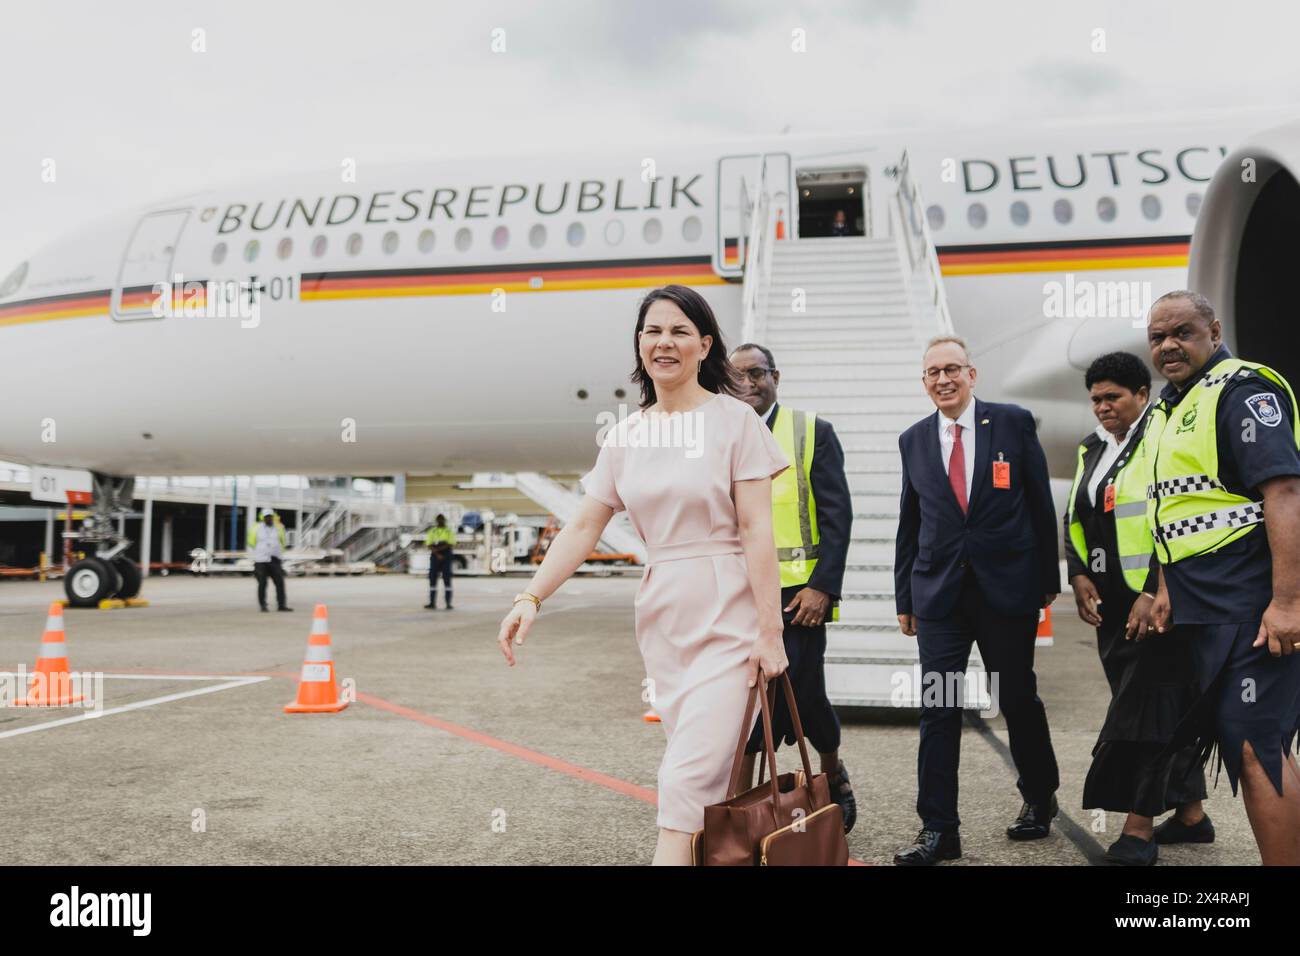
(1153,687)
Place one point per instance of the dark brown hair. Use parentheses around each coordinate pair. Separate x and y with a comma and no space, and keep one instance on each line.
(717,374)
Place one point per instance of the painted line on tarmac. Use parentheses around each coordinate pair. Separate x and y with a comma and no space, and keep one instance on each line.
(1076,834)
(96,714)
(644,794)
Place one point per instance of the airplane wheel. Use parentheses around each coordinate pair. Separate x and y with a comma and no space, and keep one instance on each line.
(131,579)
(90,581)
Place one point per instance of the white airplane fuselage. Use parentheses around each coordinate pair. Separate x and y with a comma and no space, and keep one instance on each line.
(479,315)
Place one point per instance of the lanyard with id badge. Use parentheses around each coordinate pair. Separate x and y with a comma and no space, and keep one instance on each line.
(1001,473)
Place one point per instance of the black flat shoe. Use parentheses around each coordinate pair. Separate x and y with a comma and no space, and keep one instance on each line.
(284,609)
(1129,850)
(1034,822)
(929,848)
(1174,830)
(842,793)
(265,608)
(431,607)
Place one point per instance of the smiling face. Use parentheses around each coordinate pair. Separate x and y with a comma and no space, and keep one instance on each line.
(1181,340)
(951,389)
(670,346)
(760,380)
(1116,407)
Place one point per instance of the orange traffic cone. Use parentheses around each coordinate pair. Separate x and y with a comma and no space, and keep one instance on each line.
(650,717)
(317,691)
(780,224)
(1044,636)
(51,683)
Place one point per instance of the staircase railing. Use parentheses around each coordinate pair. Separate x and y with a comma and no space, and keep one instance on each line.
(911,232)
(758,260)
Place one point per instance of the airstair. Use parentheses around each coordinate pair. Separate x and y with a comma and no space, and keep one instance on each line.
(847,320)
(618,535)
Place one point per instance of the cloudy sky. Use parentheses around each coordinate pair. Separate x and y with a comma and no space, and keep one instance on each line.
(128,110)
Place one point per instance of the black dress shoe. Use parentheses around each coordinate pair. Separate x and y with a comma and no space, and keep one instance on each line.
(842,793)
(1174,830)
(265,608)
(284,608)
(1129,850)
(929,848)
(1034,822)
(431,607)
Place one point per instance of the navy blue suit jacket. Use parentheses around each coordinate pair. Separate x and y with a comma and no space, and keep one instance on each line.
(1008,536)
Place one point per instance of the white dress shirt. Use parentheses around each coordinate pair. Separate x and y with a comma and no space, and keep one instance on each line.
(1111,452)
(967,422)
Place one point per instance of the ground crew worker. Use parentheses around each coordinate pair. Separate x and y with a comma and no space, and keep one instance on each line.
(440,540)
(267,543)
(812,511)
(1222,459)
(1152,683)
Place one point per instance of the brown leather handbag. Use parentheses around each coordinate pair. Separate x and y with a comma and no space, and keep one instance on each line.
(789,821)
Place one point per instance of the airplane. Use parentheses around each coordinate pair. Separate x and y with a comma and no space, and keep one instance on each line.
(477,314)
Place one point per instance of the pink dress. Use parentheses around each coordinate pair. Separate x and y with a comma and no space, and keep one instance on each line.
(696,618)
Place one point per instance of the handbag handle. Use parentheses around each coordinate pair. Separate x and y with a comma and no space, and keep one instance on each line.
(769,748)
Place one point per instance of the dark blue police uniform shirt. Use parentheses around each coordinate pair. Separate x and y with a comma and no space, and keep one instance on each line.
(1235,584)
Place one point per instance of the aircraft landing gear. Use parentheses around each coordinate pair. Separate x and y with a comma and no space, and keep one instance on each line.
(108,573)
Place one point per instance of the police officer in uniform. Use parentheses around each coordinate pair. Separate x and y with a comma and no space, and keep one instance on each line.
(440,540)
(1222,461)
(1108,554)
(811,515)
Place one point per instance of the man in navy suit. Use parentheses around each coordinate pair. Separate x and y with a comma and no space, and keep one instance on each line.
(975,560)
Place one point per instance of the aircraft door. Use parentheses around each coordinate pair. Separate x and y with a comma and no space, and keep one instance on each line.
(741,179)
(147,262)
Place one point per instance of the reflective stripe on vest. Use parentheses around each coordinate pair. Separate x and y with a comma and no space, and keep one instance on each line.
(794,509)
(1189,512)
(1131,535)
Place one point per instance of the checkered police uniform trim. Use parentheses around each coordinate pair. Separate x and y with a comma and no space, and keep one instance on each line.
(1186,485)
(1238,516)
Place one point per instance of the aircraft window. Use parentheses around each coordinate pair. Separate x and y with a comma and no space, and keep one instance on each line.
(537,236)
(652,231)
(1020,212)
(219,253)
(285,249)
(500,237)
(1063,211)
(1151,206)
(691,228)
(318,246)
(1106,209)
(575,234)
(934,215)
(251,249)
(613,232)
(977,215)
(1193,204)
(463,239)
(390,242)
(354,244)
(425,242)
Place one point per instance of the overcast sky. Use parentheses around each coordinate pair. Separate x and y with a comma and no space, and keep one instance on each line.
(115,94)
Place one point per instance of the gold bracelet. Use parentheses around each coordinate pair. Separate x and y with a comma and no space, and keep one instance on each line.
(525,596)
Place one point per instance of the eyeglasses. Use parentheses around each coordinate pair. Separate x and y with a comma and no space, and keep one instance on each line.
(758,373)
(952,371)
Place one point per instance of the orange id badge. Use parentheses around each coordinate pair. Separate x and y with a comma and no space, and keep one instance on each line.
(1001,474)
(1110,498)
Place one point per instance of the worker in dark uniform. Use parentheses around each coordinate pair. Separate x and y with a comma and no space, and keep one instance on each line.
(1109,560)
(811,515)
(1223,460)
(440,541)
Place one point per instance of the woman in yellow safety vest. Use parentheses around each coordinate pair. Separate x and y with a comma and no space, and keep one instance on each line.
(1108,555)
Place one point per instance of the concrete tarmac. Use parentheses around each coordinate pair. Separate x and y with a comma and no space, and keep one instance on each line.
(447,756)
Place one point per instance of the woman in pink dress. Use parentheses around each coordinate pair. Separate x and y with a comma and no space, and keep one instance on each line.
(693,468)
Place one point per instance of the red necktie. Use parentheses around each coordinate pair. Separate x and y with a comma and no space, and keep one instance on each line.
(957,468)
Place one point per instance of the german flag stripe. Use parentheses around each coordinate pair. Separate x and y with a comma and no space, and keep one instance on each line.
(1141,253)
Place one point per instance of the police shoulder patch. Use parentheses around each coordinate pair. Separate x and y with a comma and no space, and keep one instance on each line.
(1266,409)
